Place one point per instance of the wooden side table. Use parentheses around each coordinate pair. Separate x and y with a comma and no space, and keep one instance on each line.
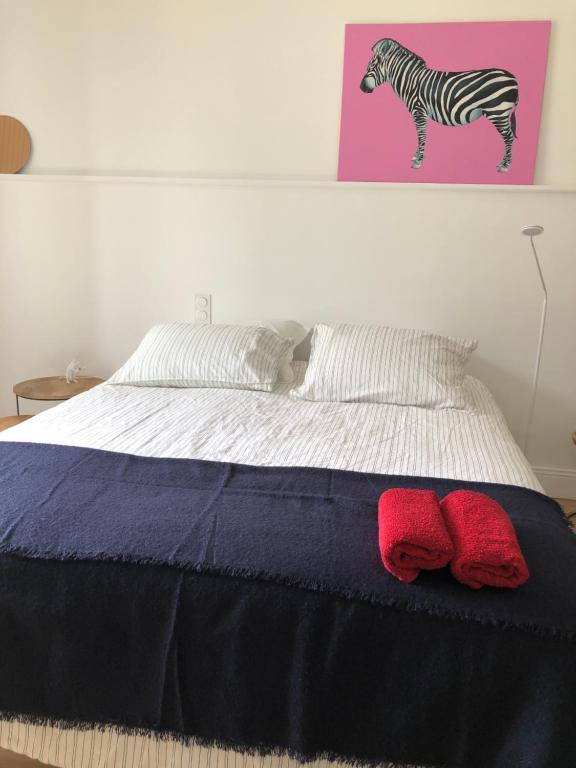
(10,421)
(52,388)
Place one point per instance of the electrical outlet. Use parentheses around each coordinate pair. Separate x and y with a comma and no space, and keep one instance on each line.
(203,308)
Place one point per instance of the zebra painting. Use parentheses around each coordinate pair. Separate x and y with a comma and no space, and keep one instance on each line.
(448,98)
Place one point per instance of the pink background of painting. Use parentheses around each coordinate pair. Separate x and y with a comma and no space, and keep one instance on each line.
(377,135)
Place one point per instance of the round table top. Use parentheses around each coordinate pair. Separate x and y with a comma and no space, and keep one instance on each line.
(54,387)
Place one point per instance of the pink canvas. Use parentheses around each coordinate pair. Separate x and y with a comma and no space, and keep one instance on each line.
(378,135)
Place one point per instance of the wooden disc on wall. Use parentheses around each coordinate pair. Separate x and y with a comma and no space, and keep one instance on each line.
(15,145)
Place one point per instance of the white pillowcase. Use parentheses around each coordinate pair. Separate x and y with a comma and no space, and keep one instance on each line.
(375,364)
(190,355)
(295,333)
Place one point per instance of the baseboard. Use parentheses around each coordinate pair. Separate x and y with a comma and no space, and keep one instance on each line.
(557,482)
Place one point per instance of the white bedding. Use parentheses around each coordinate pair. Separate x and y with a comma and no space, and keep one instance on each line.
(274,429)
(263,429)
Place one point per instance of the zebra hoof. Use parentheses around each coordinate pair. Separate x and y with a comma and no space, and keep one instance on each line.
(416,163)
(503,168)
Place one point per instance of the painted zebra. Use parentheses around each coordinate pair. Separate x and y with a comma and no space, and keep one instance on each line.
(449,98)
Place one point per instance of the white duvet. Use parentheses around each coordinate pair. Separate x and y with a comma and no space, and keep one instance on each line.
(263,429)
(274,429)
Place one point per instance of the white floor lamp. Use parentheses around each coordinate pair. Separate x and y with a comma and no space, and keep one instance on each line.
(532,232)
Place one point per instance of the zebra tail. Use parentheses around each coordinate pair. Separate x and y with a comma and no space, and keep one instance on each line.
(513,124)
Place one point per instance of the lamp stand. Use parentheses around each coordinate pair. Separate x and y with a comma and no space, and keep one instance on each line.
(531,233)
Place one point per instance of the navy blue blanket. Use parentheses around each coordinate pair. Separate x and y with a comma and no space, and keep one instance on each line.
(248,607)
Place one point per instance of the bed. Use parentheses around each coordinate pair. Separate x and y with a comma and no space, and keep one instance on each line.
(262,429)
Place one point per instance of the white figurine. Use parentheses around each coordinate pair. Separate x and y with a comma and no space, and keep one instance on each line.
(72,371)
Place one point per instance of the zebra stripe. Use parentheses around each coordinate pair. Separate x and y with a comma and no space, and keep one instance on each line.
(448,98)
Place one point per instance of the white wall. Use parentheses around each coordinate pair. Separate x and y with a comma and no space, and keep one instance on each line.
(223,88)
(46,308)
(88,266)
(252,89)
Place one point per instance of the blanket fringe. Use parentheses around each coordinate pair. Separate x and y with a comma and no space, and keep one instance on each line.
(190,740)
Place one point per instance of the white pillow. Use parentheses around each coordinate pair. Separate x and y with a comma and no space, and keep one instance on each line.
(189,355)
(374,364)
(295,333)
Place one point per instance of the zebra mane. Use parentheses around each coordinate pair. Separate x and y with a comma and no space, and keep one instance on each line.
(387,45)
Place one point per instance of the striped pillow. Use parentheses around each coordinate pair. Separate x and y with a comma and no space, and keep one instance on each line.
(374,364)
(189,355)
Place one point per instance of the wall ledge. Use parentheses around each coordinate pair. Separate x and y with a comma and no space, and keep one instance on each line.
(331,184)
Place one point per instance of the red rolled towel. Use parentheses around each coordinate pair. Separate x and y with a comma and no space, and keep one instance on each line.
(485,543)
(412,533)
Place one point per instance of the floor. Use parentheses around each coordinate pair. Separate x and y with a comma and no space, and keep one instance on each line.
(569,506)
(12,760)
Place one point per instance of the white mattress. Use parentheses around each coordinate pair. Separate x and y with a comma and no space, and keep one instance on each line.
(263,429)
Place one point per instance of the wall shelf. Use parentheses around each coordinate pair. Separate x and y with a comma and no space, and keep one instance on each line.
(271,182)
